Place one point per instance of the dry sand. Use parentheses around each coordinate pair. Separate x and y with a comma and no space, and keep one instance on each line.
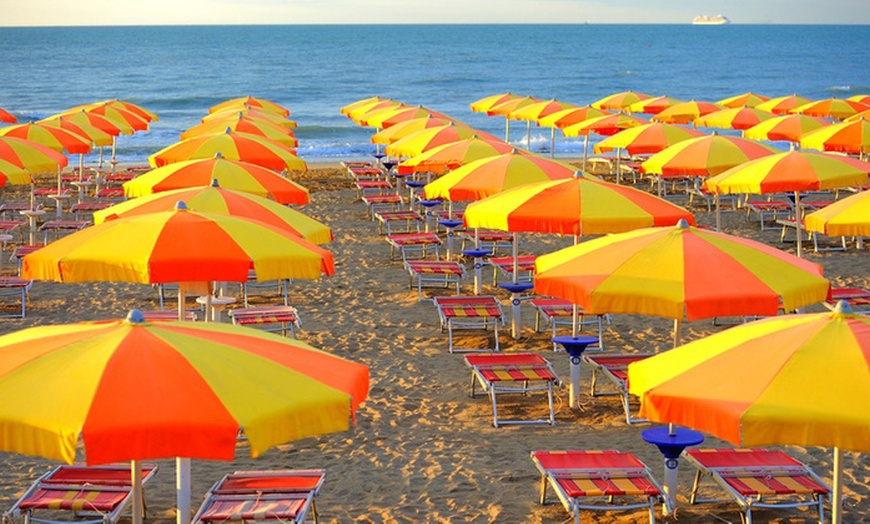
(422,450)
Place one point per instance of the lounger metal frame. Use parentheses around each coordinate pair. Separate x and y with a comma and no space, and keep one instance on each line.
(450,323)
(596,362)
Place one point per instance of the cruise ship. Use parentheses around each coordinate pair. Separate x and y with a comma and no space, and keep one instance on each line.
(710,20)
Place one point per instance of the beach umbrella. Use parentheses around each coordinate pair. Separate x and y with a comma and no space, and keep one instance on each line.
(136,109)
(244,124)
(54,138)
(707,155)
(230,174)
(733,118)
(646,139)
(359,114)
(231,145)
(509,106)
(484,104)
(134,390)
(570,116)
(450,156)
(117,114)
(249,101)
(653,106)
(12,174)
(231,115)
(847,217)
(791,380)
(491,175)
(106,125)
(92,133)
(344,110)
(535,112)
(681,273)
(7,117)
(620,101)
(846,137)
(686,112)
(789,128)
(748,99)
(796,171)
(864,99)
(858,116)
(403,129)
(835,108)
(782,105)
(392,116)
(219,200)
(427,139)
(606,125)
(31,156)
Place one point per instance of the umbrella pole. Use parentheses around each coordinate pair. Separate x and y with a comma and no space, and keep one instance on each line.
(797,221)
(114,139)
(837,495)
(136,491)
(678,325)
(618,165)
(182,490)
(585,150)
(575,320)
(515,249)
(529,135)
(101,157)
(718,215)
(81,167)
(552,142)
(507,129)
(181,300)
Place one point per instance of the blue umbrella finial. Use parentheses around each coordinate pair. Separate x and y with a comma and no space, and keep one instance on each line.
(135,317)
(214,182)
(842,307)
(682,224)
(180,206)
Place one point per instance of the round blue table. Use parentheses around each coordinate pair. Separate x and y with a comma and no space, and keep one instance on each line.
(477,255)
(671,441)
(575,346)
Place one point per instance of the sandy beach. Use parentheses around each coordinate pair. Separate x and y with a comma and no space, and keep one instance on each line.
(422,450)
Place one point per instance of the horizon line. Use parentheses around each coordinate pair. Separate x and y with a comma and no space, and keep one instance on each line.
(266,24)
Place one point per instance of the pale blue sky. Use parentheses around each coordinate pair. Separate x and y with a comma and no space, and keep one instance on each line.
(150,12)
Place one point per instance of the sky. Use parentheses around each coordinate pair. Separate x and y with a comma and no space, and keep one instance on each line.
(196,12)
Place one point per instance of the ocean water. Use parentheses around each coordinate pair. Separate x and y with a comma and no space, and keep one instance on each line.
(180,71)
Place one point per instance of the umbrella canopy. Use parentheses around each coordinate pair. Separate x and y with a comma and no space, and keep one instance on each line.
(392,116)
(619,101)
(708,155)
(31,156)
(686,112)
(244,124)
(231,115)
(653,106)
(749,99)
(249,101)
(178,246)
(511,105)
(847,217)
(117,114)
(864,99)
(136,109)
(604,125)
(577,206)
(733,118)
(106,125)
(646,139)
(789,128)
(847,137)
(215,199)
(484,104)
(781,105)
(54,138)
(570,116)
(488,176)
(204,383)
(358,115)
(678,272)
(240,176)
(835,108)
(365,102)
(538,110)
(858,116)
(450,156)
(427,139)
(12,174)
(403,129)
(232,146)
(7,117)
(92,133)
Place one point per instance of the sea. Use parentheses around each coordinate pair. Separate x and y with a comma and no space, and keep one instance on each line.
(180,71)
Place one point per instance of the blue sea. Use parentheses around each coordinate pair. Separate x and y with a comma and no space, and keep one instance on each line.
(180,71)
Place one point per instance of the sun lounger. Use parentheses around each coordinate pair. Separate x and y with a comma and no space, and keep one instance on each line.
(597,480)
(469,312)
(388,202)
(387,220)
(500,374)
(770,210)
(18,288)
(438,272)
(88,207)
(614,368)
(560,312)
(492,240)
(97,493)
(285,317)
(413,245)
(758,478)
(110,194)
(59,227)
(12,207)
(858,298)
(119,178)
(280,495)
(505,266)
(282,286)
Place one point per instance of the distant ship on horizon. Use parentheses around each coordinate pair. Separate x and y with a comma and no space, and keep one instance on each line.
(710,20)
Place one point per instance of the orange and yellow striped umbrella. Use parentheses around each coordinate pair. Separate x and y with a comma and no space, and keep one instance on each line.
(12,174)
(604,125)
(686,112)
(106,125)
(864,99)
(570,116)
(679,272)
(858,116)
(359,114)
(846,137)
(582,205)
(789,128)
(619,101)
(244,124)
(450,156)
(230,174)
(31,156)
(222,201)
(486,103)
(835,108)
(653,106)
(708,155)
(782,105)
(136,390)
(7,117)
(538,110)
(117,114)
(389,117)
(231,115)
(178,246)
(646,139)
(361,103)
(748,99)
(141,112)
(428,139)
(733,118)
(241,147)
(403,129)
(847,217)
(92,133)
(249,101)
(54,138)
(491,175)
